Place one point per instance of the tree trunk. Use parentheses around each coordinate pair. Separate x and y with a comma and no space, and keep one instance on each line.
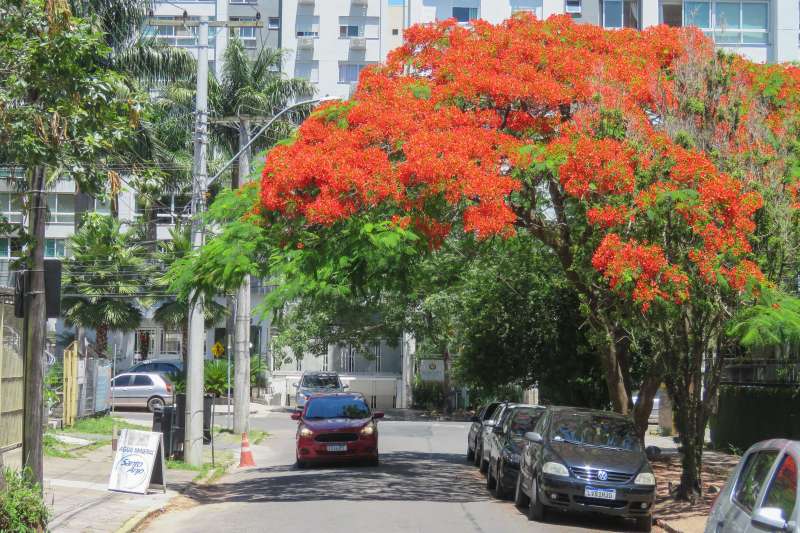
(644,403)
(615,380)
(101,339)
(35,328)
(446,384)
(185,340)
(241,383)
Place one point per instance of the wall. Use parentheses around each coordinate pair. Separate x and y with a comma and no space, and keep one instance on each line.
(11,365)
(746,415)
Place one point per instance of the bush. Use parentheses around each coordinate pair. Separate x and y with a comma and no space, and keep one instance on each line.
(747,415)
(22,507)
(428,395)
(215,374)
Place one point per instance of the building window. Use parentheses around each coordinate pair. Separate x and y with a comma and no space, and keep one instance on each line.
(61,208)
(573,7)
(102,207)
(621,14)
(395,31)
(349,72)
(730,22)
(171,342)
(307,70)
(9,247)
(11,207)
(274,23)
(465,14)
(247,34)
(351,31)
(54,248)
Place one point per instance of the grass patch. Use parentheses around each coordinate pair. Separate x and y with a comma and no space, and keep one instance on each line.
(101,425)
(254,435)
(55,448)
(205,471)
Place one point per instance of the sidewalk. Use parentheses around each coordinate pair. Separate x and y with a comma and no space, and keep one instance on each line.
(76,489)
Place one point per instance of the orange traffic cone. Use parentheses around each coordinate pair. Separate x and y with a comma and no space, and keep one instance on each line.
(246,457)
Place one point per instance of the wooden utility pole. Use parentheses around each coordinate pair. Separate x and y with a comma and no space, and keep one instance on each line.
(35,328)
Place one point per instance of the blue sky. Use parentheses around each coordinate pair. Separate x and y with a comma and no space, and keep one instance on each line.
(396,2)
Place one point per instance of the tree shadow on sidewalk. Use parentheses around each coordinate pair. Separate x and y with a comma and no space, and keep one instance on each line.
(401,476)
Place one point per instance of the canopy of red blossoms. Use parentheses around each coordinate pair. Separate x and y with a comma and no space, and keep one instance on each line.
(460,119)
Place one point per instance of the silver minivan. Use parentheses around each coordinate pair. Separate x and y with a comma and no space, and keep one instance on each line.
(151,390)
(761,494)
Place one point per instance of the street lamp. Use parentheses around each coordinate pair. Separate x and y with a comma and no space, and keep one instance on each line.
(264,128)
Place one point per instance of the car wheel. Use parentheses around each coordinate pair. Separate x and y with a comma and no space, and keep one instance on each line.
(644,523)
(470,454)
(535,507)
(155,403)
(301,464)
(520,499)
(375,461)
(478,453)
(491,482)
(499,487)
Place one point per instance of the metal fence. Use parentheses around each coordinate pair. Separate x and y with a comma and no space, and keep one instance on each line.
(11,377)
(761,372)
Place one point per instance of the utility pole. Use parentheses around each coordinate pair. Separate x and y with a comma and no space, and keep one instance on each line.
(241,386)
(193,444)
(35,327)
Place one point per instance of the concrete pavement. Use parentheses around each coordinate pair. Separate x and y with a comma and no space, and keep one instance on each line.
(423,484)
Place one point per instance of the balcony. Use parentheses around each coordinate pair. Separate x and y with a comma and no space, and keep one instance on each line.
(358,43)
(305,43)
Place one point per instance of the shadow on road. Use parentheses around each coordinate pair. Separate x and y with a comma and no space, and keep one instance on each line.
(402,476)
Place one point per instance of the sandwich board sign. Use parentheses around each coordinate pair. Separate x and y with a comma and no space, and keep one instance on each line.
(139,462)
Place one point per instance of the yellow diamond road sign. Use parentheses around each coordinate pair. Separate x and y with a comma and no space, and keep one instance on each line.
(218,349)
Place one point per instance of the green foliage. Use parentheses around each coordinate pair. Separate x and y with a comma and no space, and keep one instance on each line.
(428,395)
(216,377)
(100,425)
(773,321)
(747,415)
(22,508)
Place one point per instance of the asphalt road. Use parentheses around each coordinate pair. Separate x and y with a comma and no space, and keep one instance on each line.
(423,484)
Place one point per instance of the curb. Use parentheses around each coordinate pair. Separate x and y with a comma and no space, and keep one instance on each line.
(666,527)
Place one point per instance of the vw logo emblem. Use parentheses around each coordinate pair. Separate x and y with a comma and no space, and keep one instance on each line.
(602,475)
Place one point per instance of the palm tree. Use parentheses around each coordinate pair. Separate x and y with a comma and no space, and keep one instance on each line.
(173,313)
(251,88)
(104,278)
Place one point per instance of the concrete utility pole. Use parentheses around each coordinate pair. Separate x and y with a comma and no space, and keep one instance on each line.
(241,384)
(193,444)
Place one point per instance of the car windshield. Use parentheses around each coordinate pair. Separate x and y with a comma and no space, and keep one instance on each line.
(333,407)
(523,420)
(595,430)
(320,382)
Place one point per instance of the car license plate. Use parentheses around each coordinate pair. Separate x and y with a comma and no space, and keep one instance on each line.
(603,494)
(337,447)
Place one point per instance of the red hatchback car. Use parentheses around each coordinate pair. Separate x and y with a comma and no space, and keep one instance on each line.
(335,427)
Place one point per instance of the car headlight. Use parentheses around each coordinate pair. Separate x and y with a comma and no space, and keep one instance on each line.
(555,469)
(645,478)
(367,430)
(305,432)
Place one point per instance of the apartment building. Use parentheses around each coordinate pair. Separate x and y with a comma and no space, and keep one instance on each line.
(762,30)
(266,11)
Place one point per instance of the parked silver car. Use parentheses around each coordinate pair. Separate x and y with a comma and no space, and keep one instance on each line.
(316,382)
(151,390)
(761,494)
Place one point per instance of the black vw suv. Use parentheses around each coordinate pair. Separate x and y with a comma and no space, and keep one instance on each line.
(585,460)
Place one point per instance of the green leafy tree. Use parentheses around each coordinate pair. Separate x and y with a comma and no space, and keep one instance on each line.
(104,277)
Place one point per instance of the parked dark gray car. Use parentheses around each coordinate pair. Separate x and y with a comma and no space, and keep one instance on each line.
(586,460)
(481,454)
(505,444)
(761,494)
(484,414)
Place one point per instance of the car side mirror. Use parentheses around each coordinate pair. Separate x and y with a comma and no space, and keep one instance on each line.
(534,437)
(476,418)
(488,424)
(497,430)
(770,519)
(297,415)
(377,414)
(652,453)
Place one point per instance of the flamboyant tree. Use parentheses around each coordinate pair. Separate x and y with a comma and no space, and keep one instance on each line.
(640,158)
